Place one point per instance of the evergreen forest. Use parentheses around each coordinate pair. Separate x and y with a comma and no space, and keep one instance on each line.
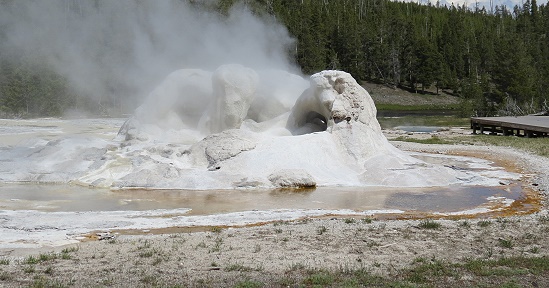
(496,59)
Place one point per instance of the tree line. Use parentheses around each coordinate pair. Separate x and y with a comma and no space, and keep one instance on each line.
(495,58)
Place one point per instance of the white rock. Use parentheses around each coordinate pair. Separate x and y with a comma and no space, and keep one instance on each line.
(292,178)
(234,88)
(329,138)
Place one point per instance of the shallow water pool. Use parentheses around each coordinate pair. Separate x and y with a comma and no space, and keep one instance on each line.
(68,198)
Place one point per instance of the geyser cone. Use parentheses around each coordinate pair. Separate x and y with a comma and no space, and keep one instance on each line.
(329,137)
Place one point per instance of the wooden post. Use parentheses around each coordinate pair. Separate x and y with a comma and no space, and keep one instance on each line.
(474,126)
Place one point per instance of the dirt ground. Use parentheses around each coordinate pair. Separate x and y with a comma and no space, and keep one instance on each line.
(382,94)
(276,254)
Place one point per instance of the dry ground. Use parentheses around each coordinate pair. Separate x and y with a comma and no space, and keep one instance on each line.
(382,94)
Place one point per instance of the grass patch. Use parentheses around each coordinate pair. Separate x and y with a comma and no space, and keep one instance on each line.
(435,121)
(367,220)
(506,243)
(432,140)
(520,271)
(423,107)
(239,267)
(321,230)
(31,260)
(484,223)
(29,269)
(150,280)
(202,244)
(217,245)
(47,257)
(486,272)
(146,254)
(216,229)
(43,282)
(429,270)
(539,146)
(534,250)
(4,261)
(49,270)
(69,250)
(5,276)
(429,224)
(508,266)
(338,278)
(320,278)
(349,220)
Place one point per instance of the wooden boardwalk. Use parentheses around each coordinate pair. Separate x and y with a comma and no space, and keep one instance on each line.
(529,126)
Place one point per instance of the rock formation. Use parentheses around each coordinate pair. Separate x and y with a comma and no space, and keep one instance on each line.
(329,135)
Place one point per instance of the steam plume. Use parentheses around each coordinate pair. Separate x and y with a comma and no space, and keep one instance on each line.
(108,48)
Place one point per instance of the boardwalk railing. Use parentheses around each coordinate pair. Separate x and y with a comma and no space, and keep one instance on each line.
(529,126)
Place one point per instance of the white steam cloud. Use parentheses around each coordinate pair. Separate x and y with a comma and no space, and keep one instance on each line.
(105,47)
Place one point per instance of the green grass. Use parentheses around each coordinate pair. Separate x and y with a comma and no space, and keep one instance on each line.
(217,245)
(539,146)
(429,224)
(534,250)
(428,270)
(506,243)
(367,220)
(5,276)
(423,107)
(29,269)
(31,260)
(484,223)
(41,282)
(216,229)
(239,267)
(485,271)
(70,249)
(432,140)
(518,271)
(146,254)
(320,278)
(321,230)
(437,121)
(508,266)
(46,257)
(349,221)
(340,278)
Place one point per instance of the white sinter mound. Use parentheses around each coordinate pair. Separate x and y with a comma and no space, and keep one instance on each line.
(196,134)
(236,127)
